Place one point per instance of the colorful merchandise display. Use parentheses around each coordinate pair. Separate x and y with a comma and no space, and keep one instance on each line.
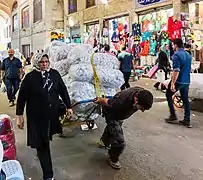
(119,32)
(91,34)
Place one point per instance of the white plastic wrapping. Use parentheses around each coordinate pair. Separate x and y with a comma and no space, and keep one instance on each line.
(73,61)
(61,66)
(78,56)
(107,61)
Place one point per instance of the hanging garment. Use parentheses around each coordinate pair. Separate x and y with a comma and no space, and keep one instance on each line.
(136,49)
(120,28)
(145,25)
(115,37)
(136,29)
(145,48)
(146,35)
(153,45)
(174,28)
(115,25)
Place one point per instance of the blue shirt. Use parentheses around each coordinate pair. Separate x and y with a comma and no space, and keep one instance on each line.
(182,64)
(11,67)
(126,61)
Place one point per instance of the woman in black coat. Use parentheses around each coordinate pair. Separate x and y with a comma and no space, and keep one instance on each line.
(40,91)
(163,63)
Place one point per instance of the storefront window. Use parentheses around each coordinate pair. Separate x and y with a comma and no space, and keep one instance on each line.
(25,17)
(118,32)
(91,34)
(90,3)
(196,12)
(37,5)
(15,22)
(72,6)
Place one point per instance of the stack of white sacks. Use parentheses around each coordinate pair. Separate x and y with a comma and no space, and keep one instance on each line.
(73,61)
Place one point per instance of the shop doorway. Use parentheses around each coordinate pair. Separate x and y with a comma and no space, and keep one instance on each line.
(92,34)
(116,32)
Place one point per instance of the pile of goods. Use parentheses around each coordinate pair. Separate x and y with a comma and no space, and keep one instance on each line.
(73,61)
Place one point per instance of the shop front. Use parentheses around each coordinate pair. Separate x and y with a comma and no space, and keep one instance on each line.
(75,36)
(116,32)
(92,34)
(152,32)
(196,20)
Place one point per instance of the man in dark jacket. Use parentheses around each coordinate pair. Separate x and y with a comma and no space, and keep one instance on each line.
(11,74)
(117,109)
(40,91)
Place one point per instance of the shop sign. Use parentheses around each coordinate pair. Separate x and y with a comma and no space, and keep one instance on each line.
(141,3)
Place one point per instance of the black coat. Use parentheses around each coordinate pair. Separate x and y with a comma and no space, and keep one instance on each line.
(42,107)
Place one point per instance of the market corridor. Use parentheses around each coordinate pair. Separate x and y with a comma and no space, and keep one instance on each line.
(155,150)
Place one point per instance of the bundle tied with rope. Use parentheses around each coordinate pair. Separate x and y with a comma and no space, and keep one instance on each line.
(87,75)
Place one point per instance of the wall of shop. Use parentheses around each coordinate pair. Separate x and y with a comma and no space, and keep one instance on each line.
(37,35)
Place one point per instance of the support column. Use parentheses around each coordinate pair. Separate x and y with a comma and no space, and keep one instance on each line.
(179,8)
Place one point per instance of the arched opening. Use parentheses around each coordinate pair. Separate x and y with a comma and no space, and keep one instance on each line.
(14,6)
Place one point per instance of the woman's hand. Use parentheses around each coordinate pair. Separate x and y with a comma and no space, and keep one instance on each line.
(20,122)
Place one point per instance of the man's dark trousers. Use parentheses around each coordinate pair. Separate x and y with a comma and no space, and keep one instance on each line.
(183,89)
(113,135)
(12,87)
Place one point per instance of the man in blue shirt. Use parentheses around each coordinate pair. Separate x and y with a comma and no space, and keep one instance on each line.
(12,74)
(126,65)
(180,81)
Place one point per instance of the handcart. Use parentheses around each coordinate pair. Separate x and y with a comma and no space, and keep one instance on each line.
(95,108)
(195,90)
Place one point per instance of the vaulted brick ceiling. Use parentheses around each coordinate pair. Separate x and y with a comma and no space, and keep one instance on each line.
(5,6)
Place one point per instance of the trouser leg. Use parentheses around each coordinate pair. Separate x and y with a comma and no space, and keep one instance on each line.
(116,140)
(169,95)
(15,85)
(44,156)
(8,84)
(185,98)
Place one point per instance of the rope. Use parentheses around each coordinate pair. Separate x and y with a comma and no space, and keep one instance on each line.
(99,89)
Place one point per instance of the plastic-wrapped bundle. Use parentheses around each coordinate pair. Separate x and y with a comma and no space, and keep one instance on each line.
(80,91)
(59,50)
(78,56)
(108,77)
(67,80)
(111,78)
(81,72)
(107,61)
(88,48)
(110,91)
(62,66)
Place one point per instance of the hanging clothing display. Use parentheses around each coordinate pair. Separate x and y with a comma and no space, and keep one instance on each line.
(136,50)
(136,29)
(153,45)
(145,48)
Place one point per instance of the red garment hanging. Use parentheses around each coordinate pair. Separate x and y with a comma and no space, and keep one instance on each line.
(145,48)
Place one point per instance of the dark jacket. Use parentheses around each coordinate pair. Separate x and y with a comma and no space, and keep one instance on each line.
(163,61)
(121,105)
(42,108)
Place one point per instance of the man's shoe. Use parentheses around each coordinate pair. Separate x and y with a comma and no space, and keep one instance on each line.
(115,165)
(102,145)
(185,123)
(172,119)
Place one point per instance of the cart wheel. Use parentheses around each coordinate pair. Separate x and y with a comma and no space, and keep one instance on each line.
(90,124)
(178,102)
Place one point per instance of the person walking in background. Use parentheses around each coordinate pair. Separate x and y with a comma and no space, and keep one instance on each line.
(180,81)
(201,60)
(29,59)
(11,73)
(163,63)
(107,50)
(188,48)
(40,91)
(126,65)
